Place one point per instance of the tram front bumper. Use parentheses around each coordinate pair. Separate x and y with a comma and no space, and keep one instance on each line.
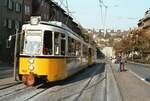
(29,79)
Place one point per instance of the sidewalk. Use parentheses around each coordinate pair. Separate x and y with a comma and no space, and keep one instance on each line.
(112,89)
(5,66)
(132,88)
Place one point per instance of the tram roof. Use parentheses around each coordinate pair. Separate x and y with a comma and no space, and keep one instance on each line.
(54,24)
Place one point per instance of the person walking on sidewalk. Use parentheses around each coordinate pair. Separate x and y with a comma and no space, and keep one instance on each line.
(117,64)
(122,62)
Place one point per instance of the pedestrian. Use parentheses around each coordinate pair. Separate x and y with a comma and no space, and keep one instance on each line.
(122,63)
(117,64)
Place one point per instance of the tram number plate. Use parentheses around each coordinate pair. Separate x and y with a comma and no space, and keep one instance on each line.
(24,71)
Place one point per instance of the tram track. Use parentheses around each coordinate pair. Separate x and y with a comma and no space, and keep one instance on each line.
(10,90)
(35,95)
(19,92)
(5,86)
(86,88)
(29,93)
(87,85)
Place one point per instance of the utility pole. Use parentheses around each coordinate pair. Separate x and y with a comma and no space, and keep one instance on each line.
(15,55)
(103,18)
(105,28)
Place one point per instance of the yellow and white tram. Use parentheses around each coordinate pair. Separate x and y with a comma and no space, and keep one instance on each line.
(52,51)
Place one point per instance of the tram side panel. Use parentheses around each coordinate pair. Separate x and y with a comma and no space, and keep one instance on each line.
(53,68)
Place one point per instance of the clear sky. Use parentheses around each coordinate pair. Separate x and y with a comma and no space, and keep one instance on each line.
(121,14)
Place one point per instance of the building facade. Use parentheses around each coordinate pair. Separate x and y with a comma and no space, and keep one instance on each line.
(11,19)
(26,10)
(41,8)
(144,23)
(14,13)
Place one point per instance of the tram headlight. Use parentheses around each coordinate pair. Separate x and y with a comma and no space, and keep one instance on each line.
(31,67)
(31,61)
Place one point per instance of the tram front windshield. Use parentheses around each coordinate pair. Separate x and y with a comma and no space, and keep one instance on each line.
(32,45)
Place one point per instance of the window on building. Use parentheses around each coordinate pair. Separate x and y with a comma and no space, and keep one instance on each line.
(8,44)
(9,23)
(17,24)
(45,17)
(5,22)
(47,45)
(18,7)
(10,4)
(20,23)
(42,3)
(5,2)
(27,10)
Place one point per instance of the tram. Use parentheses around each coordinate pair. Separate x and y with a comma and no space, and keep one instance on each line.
(51,51)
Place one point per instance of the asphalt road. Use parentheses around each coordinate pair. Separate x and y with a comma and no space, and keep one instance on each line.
(87,85)
(143,71)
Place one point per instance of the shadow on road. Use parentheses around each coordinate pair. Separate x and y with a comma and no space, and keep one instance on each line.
(83,74)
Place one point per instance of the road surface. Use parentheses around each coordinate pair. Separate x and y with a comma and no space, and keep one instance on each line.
(87,85)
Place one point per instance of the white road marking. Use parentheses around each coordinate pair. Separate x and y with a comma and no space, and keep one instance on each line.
(142,79)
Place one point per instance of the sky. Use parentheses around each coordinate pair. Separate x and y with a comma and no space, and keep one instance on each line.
(121,14)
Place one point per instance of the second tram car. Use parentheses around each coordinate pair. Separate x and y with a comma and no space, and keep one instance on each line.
(52,51)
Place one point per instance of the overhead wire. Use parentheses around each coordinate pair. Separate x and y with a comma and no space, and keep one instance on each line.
(66,6)
(103,16)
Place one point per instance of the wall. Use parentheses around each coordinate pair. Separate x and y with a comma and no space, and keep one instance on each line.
(11,18)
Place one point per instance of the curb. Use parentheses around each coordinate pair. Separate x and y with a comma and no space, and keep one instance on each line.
(140,78)
(147,65)
(113,90)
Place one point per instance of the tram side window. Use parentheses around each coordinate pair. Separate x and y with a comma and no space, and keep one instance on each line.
(85,51)
(63,44)
(57,43)
(71,47)
(47,46)
(90,52)
(78,48)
